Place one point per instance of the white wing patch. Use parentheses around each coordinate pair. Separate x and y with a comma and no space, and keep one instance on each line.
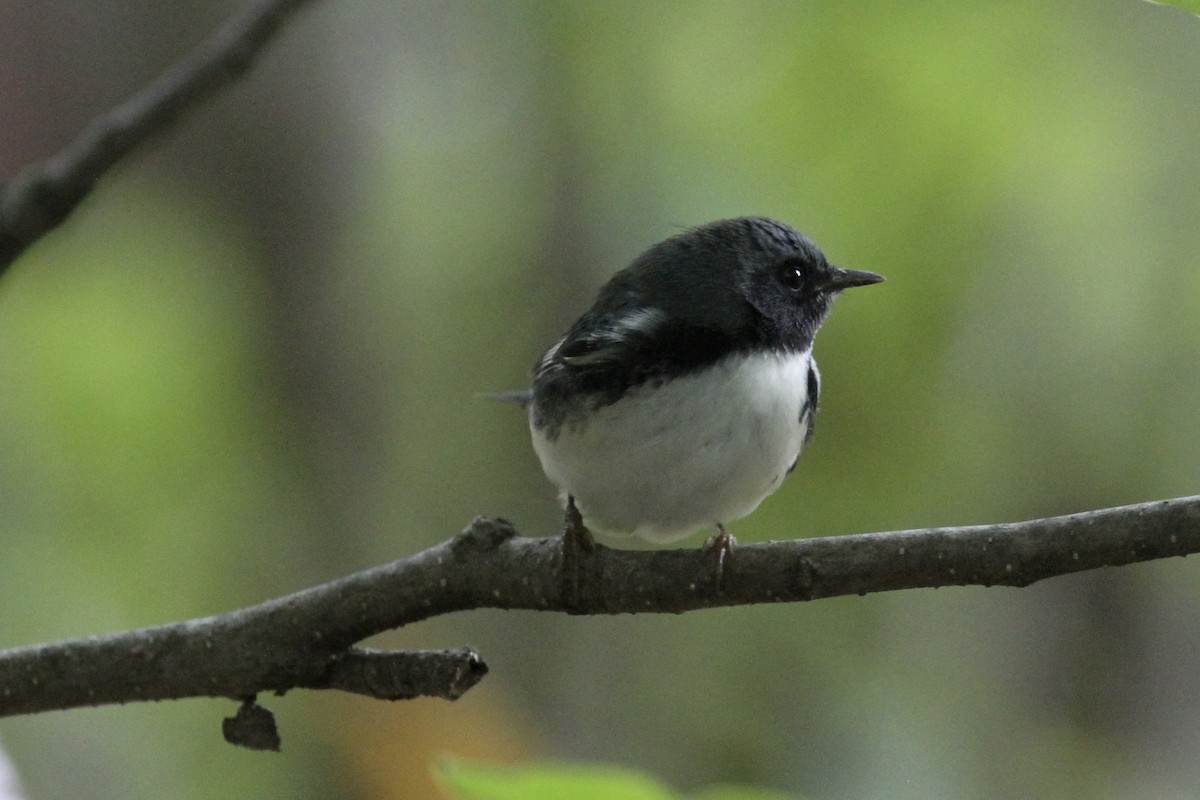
(642,320)
(637,322)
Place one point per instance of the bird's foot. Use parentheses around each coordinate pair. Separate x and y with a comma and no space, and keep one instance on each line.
(576,545)
(576,536)
(719,549)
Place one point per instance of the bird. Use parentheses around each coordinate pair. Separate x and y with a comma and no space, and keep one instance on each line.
(684,395)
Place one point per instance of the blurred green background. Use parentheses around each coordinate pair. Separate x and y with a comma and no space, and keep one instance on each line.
(250,363)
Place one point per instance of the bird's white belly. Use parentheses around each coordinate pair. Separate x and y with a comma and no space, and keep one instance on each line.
(703,449)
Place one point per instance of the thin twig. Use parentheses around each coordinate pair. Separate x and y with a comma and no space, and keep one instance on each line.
(43,195)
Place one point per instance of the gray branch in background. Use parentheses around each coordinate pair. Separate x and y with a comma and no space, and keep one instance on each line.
(43,195)
(306,640)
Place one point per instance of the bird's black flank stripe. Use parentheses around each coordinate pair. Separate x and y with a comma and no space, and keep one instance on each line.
(810,400)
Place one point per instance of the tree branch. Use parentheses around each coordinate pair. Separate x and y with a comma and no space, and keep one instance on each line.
(305,640)
(43,195)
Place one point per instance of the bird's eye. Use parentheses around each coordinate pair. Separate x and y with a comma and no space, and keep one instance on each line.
(791,275)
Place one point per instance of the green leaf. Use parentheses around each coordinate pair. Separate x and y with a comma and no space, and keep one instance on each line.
(466,781)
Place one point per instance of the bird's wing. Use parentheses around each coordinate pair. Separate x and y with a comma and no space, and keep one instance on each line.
(606,356)
(610,340)
(601,355)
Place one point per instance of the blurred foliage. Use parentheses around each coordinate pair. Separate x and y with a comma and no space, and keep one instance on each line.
(252,362)
(1190,5)
(466,781)
(477,782)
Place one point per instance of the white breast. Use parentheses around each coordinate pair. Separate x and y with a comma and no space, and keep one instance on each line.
(666,461)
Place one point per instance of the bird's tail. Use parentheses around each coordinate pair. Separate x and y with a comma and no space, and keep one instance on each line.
(520,397)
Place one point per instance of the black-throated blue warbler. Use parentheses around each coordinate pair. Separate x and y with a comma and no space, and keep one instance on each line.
(684,395)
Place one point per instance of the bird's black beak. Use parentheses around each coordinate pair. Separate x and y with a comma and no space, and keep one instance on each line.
(838,279)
